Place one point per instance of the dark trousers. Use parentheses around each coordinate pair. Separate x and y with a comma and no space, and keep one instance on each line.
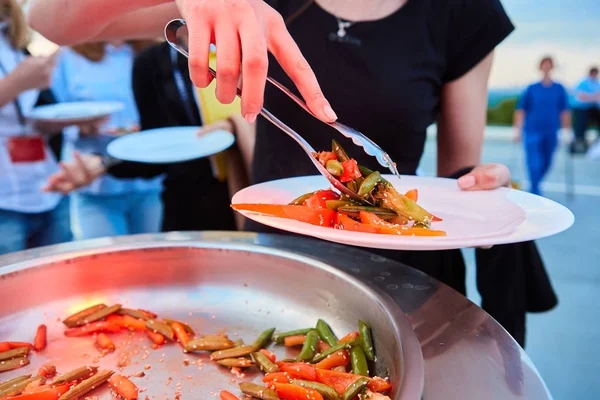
(539,151)
(582,119)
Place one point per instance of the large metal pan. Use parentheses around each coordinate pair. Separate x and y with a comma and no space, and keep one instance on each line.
(241,288)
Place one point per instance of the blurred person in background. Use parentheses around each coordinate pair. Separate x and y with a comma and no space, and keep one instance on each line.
(109,206)
(541,112)
(586,109)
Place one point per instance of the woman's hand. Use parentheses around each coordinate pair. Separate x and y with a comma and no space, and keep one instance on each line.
(224,125)
(34,72)
(250,28)
(85,169)
(485,177)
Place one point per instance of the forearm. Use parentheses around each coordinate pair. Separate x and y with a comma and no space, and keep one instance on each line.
(565,120)
(10,88)
(82,20)
(519,119)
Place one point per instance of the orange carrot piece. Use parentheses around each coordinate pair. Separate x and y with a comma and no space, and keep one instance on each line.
(385,227)
(47,371)
(225,395)
(379,385)
(39,343)
(156,337)
(16,345)
(314,216)
(123,387)
(103,342)
(412,195)
(281,377)
(132,323)
(269,355)
(322,346)
(4,346)
(180,333)
(352,336)
(293,392)
(337,359)
(297,340)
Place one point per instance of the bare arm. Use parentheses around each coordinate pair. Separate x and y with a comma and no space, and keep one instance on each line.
(519,119)
(461,123)
(10,88)
(565,119)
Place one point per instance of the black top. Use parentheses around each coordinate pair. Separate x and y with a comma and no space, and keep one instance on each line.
(190,188)
(383,78)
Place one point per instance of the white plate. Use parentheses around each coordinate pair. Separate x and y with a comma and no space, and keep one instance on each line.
(169,145)
(470,219)
(75,112)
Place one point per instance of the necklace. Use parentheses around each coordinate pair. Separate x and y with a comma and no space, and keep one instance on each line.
(342,26)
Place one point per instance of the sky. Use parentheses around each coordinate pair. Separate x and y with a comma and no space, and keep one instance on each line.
(569,30)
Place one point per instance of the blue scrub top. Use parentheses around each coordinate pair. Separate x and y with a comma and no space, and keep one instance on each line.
(587,86)
(542,106)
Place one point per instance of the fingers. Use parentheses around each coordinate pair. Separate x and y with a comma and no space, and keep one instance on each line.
(485,177)
(199,32)
(228,60)
(255,66)
(292,61)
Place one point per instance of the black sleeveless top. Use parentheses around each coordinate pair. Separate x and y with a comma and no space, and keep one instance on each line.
(383,78)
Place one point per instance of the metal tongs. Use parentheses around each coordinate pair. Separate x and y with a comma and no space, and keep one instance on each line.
(173,34)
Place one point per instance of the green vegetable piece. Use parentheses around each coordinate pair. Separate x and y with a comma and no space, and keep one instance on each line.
(240,362)
(336,204)
(87,385)
(388,197)
(162,328)
(101,313)
(300,200)
(339,151)
(11,382)
(77,319)
(13,363)
(136,313)
(17,388)
(366,172)
(257,391)
(265,364)
(334,167)
(358,361)
(354,389)
(354,211)
(280,337)
(327,392)
(14,353)
(310,346)
(75,375)
(325,333)
(262,339)
(210,344)
(369,184)
(365,340)
(330,351)
(233,353)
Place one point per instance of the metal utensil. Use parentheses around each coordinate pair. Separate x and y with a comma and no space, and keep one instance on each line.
(369,147)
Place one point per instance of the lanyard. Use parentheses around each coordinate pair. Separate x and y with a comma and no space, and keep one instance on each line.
(22,120)
(181,86)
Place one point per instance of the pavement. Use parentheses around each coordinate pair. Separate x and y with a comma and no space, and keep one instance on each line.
(564,343)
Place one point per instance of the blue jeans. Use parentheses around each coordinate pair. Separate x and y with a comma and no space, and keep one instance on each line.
(22,231)
(539,151)
(97,216)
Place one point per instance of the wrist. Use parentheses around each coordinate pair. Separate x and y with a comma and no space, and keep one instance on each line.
(19,85)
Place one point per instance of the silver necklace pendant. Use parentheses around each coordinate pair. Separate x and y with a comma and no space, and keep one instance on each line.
(342,26)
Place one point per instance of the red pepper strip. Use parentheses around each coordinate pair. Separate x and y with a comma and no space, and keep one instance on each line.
(4,346)
(325,156)
(319,199)
(269,355)
(292,392)
(44,393)
(281,377)
(346,223)
(379,385)
(351,171)
(322,346)
(320,217)
(298,370)
(136,324)
(337,380)
(391,229)
(94,327)
(39,343)
(352,336)
(180,333)
(412,194)
(337,359)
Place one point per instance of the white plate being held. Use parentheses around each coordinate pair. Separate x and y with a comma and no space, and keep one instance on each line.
(169,145)
(75,112)
(470,219)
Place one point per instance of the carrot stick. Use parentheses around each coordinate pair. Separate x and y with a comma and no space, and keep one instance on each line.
(297,340)
(16,345)
(337,359)
(157,338)
(4,346)
(44,393)
(225,395)
(269,355)
(123,387)
(180,333)
(94,327)
(352,336)
(39,343)
(103,342)
(133,323)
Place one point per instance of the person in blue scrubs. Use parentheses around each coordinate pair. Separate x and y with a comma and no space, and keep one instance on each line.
(586,108)
(541,111)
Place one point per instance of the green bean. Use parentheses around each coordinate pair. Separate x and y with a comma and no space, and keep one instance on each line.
(358,361)
(264,362)
(163,329)
(365,340)
(9,383)
(203,344)
(334,167)
(369,183)
(14,353)
(233,353)
(339,151)
(262,339)
(240,362)
(353,210)
(87,385)
(17,388)
(139,314)
(77,319)
(101,313)
(280,337)
(335,204)
(366,172)
(75,375)
(310,346)
(257,391)
(327,392)
(354,389)
(325,333)
(13,363)
(330,351)
(298,201)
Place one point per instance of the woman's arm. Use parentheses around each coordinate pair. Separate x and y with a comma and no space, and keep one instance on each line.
(462,120)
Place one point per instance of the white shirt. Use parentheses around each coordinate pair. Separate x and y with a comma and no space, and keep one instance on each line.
(21,183)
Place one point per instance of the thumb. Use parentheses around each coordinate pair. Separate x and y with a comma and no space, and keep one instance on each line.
(485,177)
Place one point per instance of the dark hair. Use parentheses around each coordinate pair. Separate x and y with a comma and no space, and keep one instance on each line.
(594,71)
(547,59)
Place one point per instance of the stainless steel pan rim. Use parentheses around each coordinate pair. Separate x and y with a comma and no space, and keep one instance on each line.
(413,365)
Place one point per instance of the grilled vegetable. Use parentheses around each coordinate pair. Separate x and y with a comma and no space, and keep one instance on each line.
(335,168)
(240,362)
(355,388)
(265,363)
(262,339)
(78,319)
(330,351)
(365,340)
(369,184)
(339,151)
(87,385)
(257,391)
(327,392)
(359,361)
(310,346)
(203,344)
(75,375)
(388,197)
(159,327)
(233,353)
(280,337)
(325,333)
